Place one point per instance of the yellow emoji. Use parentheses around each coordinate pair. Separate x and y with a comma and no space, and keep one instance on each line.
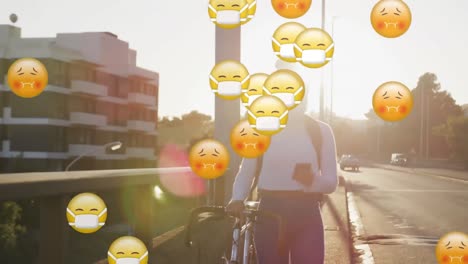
(452,248)
(27,77)
(86,213)
(391,18)
(291,8)
(255,88)
(392,101)
(314,48)
(127,250)
(209,159)
(228,13)
(284,38)
(246,142)
(287,85)
(228,79)
(268,115)
(251,10)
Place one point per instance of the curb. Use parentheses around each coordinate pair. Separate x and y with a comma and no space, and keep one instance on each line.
(360,253)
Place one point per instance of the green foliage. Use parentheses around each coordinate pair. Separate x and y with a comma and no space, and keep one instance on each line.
(10,230)
(455,132)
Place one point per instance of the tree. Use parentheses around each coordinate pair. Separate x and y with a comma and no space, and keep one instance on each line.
(455,132)
(10,230)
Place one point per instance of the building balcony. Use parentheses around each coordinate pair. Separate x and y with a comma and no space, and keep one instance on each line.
(141,125)
(89,88)
(87,119)
(133,152)
(87,150)
(142,99)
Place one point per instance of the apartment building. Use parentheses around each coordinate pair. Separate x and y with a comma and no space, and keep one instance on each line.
(96,95)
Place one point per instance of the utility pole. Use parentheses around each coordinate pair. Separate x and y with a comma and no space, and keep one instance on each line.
(428,125)
(421,129)
(322,90)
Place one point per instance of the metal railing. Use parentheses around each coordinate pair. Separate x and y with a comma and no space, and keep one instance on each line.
(53,189)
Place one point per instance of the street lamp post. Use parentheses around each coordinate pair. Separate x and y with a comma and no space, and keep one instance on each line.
(112,145)
(332,69)
(322,90)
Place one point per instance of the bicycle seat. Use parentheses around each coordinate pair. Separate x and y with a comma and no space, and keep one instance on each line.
(253,205)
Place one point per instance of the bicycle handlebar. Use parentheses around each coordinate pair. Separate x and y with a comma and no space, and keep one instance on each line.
(221,211)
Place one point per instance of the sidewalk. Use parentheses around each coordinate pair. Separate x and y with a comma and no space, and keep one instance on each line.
(456,174)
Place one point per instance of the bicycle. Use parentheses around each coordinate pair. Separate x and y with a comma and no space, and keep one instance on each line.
(244,253)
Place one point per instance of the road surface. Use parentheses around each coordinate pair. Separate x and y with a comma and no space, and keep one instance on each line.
(404,214)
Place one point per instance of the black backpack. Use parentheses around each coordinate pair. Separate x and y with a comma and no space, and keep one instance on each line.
(315,135)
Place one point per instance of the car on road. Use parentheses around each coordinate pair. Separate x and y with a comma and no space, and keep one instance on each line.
(399,159)
(349,161)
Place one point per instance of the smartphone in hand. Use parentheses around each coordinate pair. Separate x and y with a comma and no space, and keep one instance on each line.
(303,174)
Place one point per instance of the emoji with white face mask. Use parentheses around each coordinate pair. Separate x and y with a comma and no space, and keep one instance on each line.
(391,18)
(229,79)
(252,9)
(392,101)
(228,14)
(27,77)
(247,142)
(127,250)
(268,115)
(255,88)
(86,213)
(209,159)
(284,38)
(314,48)
(452,248)
(287,85)
(291,8)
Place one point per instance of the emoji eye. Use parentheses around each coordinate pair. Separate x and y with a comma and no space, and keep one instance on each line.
(244,134)
(260,112)
(236,76)
(220,5)
(306,44)
(120,253)
(252,90)
(32,73)
(320,44)
(215,155)
(133,253)
(284,39)
(396,14)
(275,88)
(79,209)
(235,5)
(461,247)
(384,14)
(255,134)
(275,112)
(221,76)
(93,209)
(289,88)
(201,155)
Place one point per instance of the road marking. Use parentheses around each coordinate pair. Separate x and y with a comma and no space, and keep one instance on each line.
(363,250)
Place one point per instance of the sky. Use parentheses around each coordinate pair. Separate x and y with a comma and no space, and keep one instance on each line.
(176,39)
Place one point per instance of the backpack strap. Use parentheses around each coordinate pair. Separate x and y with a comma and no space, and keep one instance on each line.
(315,134)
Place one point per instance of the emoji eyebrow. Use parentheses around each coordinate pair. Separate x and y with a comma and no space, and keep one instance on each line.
(398,10)
(384,93)
(19,69)
(34,69)
(200,151)
(216,151)
(381,11)
(463,244)
(400,93)
(448,243)
(242,130)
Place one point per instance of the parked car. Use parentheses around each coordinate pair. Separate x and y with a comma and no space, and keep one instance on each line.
(399,159)
(349,161)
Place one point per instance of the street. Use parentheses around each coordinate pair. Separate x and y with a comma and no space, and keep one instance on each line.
(404,214)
